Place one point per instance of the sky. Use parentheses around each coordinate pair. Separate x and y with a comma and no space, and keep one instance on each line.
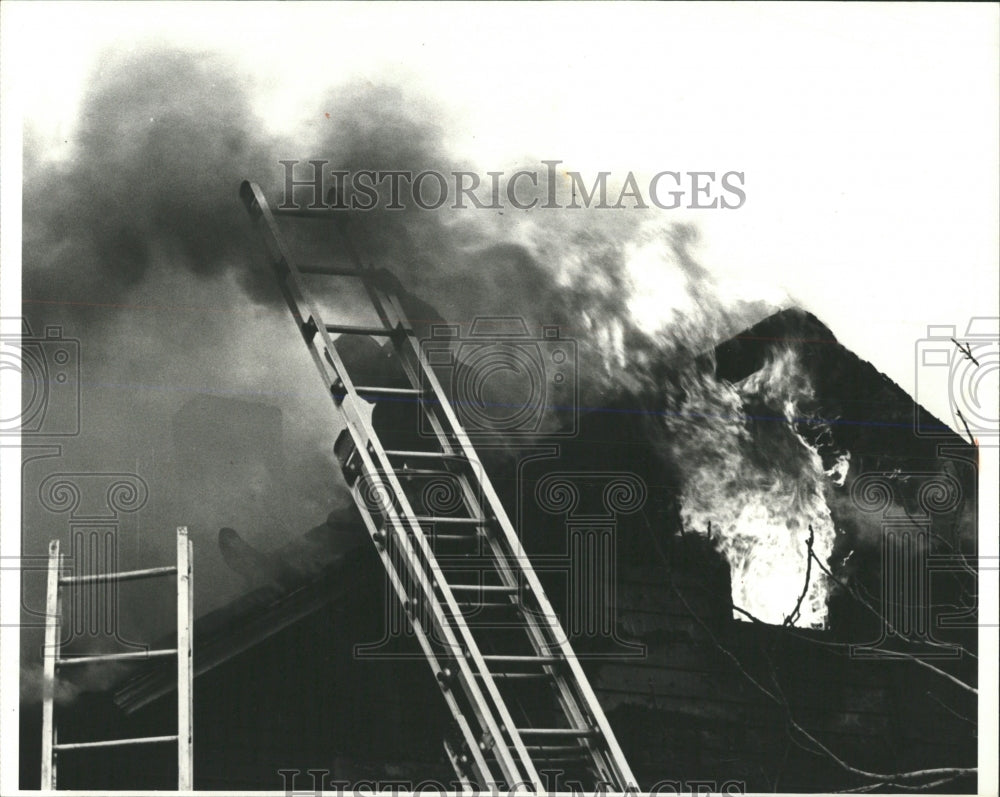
(867,134)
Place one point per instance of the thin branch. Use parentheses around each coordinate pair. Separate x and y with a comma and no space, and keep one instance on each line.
(795,613)
(899,778)
(961,556)
(942,775)
(950,710)
(729,654)
(781,767)
(966,350)
(899,786)
(861,789)
(753,618)
(898,654)
(925,786)
(972,440)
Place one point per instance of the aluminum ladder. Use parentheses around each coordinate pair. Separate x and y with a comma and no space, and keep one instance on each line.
(518,695)
(54,663)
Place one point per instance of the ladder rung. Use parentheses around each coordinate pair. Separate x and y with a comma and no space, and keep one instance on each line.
(348,329)
(522,659)
(573,759)
(507,676)
(483,588)
(459,521)
(374,390)
(424,455)
(133,656)
(473,605)
(115,742)
(128,575)
(557,731)
(558,749)
(454,537)
(406,471)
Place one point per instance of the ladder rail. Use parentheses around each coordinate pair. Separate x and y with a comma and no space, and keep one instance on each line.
(419,557)
(439,670)
(558,636)
(502,558)
(377,468)
(185,663)
(53,614)
(52,662)
(359,428)
(576,697)
(453,757)
(509,574)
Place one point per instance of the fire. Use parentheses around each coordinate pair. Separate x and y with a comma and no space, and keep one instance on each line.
(755,485)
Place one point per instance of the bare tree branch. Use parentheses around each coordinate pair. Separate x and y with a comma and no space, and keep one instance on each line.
(950,710)
(908,781)
(795,613)
(966,350)
(898,654)
(972,440)
(934,776)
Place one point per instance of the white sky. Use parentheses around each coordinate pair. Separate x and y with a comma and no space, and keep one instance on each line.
(868,133)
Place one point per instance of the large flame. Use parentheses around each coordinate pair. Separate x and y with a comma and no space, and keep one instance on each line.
(755,485)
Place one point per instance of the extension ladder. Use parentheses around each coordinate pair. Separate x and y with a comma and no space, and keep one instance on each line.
(53,663)
(518,695)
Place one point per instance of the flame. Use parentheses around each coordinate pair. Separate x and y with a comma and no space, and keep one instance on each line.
(755,485)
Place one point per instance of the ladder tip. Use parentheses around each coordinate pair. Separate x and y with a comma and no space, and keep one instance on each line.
(247,192)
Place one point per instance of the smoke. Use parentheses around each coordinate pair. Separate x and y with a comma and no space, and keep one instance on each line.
(32,684)
(66,690)
(161,141)
(136,244)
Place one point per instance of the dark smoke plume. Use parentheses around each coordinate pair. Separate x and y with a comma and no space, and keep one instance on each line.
(162,139)
(137,245)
